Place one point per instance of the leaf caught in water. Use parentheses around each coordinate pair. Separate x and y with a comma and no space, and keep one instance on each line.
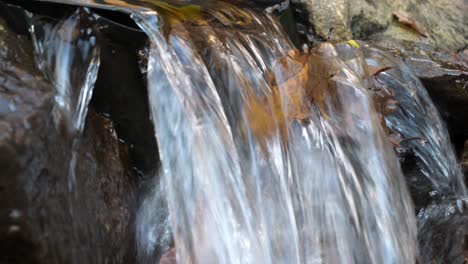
(324,65)
(286,102)
(404,19)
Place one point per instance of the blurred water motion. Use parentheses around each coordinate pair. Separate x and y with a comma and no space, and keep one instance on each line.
(270,155)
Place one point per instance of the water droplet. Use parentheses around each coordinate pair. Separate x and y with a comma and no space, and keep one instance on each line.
(14,229)
(15,214)
(391,105)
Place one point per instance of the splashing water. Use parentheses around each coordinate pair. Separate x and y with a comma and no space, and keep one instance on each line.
(68,55)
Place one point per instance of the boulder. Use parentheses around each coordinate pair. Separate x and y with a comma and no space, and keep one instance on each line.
(444,21)
(42,219)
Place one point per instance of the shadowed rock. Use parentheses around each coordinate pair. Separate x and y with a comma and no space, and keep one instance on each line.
(42,221)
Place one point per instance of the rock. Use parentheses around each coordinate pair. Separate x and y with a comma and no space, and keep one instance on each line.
(127,108)
(464,160)
(169,257)
(330,19)
(442,232)
(445,76)
(42,221)
(444,21)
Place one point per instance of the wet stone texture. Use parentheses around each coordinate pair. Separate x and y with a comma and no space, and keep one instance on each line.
(444,21)
(444,227)
(445,76)
(41,219)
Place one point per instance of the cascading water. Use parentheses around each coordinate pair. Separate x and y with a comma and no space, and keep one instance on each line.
(418,117)
(269,155)
(255,174)
(68,55)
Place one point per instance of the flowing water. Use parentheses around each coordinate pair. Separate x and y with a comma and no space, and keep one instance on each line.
(268,155)
(68,55)
(417,117)
(255,174)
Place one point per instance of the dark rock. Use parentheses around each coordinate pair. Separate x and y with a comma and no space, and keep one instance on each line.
(442,230)
(464,160)
(445,76)
(42,220)
(169,257)
(120,92)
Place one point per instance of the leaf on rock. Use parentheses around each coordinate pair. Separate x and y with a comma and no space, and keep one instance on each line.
(375,70)
(404,19)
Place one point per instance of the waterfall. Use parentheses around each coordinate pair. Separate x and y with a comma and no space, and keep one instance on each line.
(254,174)
(269,155)
(68,55)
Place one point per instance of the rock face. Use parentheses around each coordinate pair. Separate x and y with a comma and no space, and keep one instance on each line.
(444,20)
(444,227)
(42,220)
(464,161)
(445,76)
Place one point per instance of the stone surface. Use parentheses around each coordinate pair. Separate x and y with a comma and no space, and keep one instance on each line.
(169,257)
(464,160)
(444,20)
(41,219)
(445,76)
(442,232)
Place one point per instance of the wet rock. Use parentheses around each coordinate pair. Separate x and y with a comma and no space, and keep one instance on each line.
(442,230)
(169,257)
(444,21)
(124,99)
(445,76)
(464,160)
(41,219)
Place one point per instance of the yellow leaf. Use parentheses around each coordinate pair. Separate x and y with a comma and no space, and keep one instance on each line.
(353,43)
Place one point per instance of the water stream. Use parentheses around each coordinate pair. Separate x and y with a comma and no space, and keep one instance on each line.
(255,173)
(68,55)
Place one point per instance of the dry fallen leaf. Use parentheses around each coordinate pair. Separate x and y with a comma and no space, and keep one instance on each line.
(404,19)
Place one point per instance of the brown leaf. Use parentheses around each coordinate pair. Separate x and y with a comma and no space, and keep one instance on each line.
(324,65)
(375,70)
(404,19)
(169,257)
(287,100)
